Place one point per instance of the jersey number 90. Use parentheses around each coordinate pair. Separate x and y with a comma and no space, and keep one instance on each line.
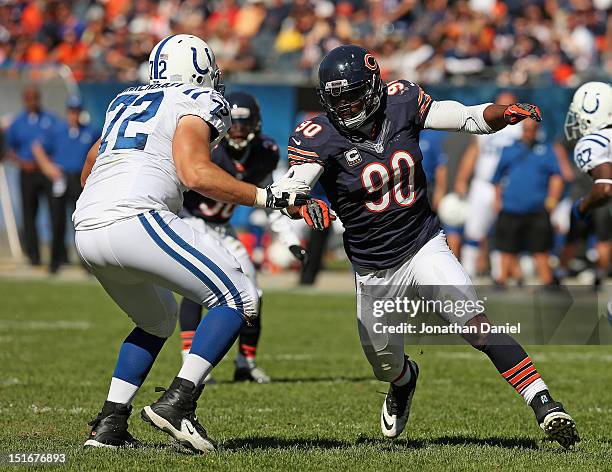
(391,182)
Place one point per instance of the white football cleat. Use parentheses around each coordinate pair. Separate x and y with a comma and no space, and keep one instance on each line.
(396,407)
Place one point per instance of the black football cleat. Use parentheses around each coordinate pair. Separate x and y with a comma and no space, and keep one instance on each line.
(174,413)
(396,407)
(110,428)
(556,423)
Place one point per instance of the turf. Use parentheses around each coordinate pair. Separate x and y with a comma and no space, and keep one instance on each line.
(58,343)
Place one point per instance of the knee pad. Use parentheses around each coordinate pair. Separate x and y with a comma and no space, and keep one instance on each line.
(161,330)
(166,327)
(387,366)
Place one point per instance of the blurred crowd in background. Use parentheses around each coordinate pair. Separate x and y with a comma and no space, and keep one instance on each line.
(513,42)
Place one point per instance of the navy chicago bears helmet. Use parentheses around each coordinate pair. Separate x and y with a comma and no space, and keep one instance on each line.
(350,87)
(246,120)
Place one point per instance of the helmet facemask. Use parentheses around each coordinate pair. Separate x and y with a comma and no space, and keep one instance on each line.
(217,84)
(245,127)
(572,125)
(350,106)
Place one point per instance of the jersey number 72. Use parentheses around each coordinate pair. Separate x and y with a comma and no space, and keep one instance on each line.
(121,104)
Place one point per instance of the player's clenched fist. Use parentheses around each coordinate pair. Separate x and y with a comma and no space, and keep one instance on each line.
(316,214)
(519,111)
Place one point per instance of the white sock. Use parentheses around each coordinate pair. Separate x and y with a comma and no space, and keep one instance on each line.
(469,258)
(530,392)
(405,376)
(194,369)
(121,391)
(184,353)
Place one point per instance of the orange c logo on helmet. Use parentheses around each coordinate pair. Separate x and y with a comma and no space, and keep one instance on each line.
(370,62)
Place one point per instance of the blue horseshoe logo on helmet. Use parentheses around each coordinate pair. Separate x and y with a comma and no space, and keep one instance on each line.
(194,58)
(596,104)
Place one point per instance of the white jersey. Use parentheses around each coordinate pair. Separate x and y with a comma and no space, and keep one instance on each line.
(490,148)
(134,171)
(593,150)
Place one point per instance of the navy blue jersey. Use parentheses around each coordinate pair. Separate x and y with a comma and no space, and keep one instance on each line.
(255,166)
(377,188)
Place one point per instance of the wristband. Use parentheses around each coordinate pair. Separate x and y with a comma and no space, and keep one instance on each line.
(261,197)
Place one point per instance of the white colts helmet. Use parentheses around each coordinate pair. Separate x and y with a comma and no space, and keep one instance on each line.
(184,58)
(590,110)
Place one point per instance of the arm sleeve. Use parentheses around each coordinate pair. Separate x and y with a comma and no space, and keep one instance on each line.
(280,225)
(449,115)
(299,175)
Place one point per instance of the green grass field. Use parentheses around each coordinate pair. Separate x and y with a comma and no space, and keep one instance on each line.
(58,343)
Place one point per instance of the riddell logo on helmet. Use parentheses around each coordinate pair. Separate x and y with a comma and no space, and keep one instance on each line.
(370,62)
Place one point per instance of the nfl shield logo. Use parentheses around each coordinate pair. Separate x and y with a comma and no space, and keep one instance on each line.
(352,157)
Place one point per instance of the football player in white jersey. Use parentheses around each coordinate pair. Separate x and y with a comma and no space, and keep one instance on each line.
(479,162)
(589,120)
(156,143)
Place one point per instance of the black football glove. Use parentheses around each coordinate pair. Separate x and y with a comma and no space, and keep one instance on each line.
(316,214)
(520,111)
(299,253)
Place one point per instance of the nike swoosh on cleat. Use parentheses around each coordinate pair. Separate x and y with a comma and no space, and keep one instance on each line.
(189,427)
(387,425)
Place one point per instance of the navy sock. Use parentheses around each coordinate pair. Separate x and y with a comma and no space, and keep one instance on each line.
(137,355)
(216,333)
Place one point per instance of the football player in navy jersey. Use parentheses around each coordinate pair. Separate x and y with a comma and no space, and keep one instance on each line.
(365,152)
(250,156)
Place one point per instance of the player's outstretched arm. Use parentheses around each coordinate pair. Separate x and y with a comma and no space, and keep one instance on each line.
(191,153)
(488,118)
(601,191)
(89,162)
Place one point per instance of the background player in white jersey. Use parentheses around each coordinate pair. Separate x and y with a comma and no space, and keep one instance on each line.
(155,144)
(589,120)
(249,156)
(479,163)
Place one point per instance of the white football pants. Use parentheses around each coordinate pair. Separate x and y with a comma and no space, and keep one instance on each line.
(433,273)
(141,260)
